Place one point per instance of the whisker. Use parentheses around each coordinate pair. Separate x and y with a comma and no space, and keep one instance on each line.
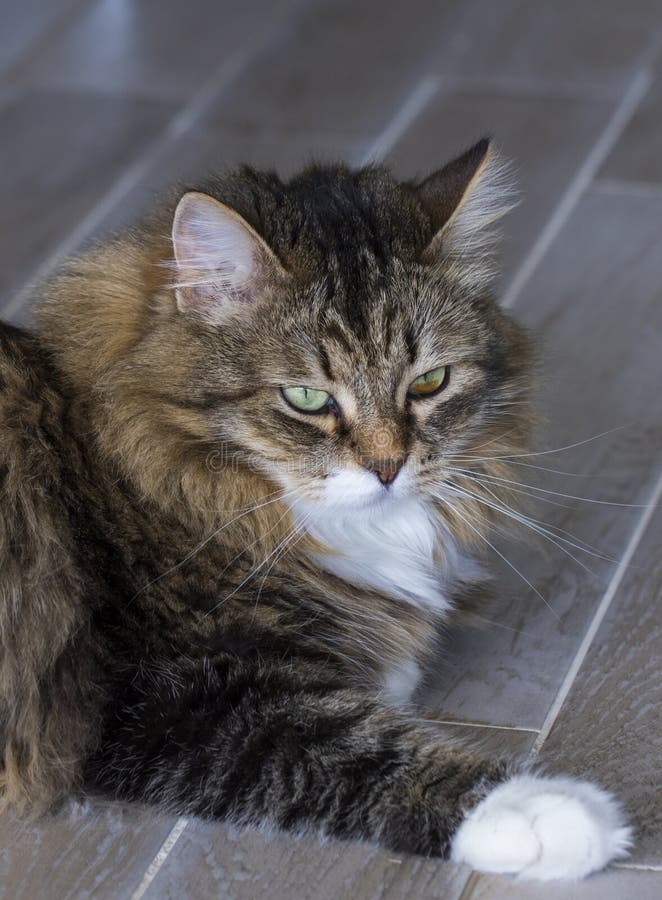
(570,538)
(540,528)
(288,545)
(595,437)
(257,540)
(495,624)
(252,573)
(525,487)
(470,473)
(504,558)
(206,540)
(533,487)
(487,443)
(555,471)
(535,527)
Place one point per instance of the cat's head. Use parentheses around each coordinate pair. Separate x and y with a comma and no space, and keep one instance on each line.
(352,351)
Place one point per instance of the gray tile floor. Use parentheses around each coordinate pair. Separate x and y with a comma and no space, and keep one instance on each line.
(103,102)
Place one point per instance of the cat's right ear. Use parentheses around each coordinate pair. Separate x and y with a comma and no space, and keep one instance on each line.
(465,200)
(221,263)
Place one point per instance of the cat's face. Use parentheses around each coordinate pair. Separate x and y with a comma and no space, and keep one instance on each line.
(351,416)
(366,385)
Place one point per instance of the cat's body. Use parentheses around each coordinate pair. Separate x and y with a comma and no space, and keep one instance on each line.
(222,603)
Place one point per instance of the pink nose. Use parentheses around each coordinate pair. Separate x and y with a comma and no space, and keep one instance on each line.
(385,469)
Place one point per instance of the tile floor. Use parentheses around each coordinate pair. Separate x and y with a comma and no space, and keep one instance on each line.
(103,102)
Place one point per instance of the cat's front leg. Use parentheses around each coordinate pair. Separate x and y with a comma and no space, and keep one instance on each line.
(283,746)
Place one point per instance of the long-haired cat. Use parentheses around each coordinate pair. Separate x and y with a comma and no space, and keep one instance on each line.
(237,504)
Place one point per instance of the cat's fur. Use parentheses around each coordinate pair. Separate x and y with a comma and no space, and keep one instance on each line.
(208,600)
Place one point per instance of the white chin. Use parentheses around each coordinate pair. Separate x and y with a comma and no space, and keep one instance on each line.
(347,489)
(382,538)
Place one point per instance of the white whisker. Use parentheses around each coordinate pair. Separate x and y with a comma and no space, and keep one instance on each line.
(534,487)
(206,540)
(501,555)
(534,526)
(288,544)
(545,452)
(253,572)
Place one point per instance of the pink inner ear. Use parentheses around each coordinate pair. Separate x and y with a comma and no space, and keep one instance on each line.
(219,258)
(212,244)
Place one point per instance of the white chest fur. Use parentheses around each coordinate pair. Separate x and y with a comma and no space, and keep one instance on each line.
(392,547)
(395,546)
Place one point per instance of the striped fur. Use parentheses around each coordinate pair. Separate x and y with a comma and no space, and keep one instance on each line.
(171,629)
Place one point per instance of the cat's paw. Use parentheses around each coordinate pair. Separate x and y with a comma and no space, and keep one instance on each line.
(543,828)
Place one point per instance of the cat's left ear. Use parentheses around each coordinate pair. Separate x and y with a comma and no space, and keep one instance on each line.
(465,199)
(221,263)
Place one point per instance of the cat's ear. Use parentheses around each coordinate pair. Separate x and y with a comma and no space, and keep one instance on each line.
(220,261)
(465,199)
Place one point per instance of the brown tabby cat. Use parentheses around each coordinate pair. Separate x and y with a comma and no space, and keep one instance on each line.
(237,465)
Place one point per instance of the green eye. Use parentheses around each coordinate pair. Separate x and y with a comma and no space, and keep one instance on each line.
(430,383)
(307,399)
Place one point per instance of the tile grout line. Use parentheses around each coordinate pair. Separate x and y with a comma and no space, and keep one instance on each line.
(470,885)
(405,116)
(163,853)
(424,90)
(587,171)
(598,618)
(182,121)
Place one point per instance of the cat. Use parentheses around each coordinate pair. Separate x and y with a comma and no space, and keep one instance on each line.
(238,461)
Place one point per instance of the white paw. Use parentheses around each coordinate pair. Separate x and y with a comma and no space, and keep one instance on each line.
(543,828)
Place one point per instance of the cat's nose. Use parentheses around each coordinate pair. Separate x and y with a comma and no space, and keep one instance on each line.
(385,469)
